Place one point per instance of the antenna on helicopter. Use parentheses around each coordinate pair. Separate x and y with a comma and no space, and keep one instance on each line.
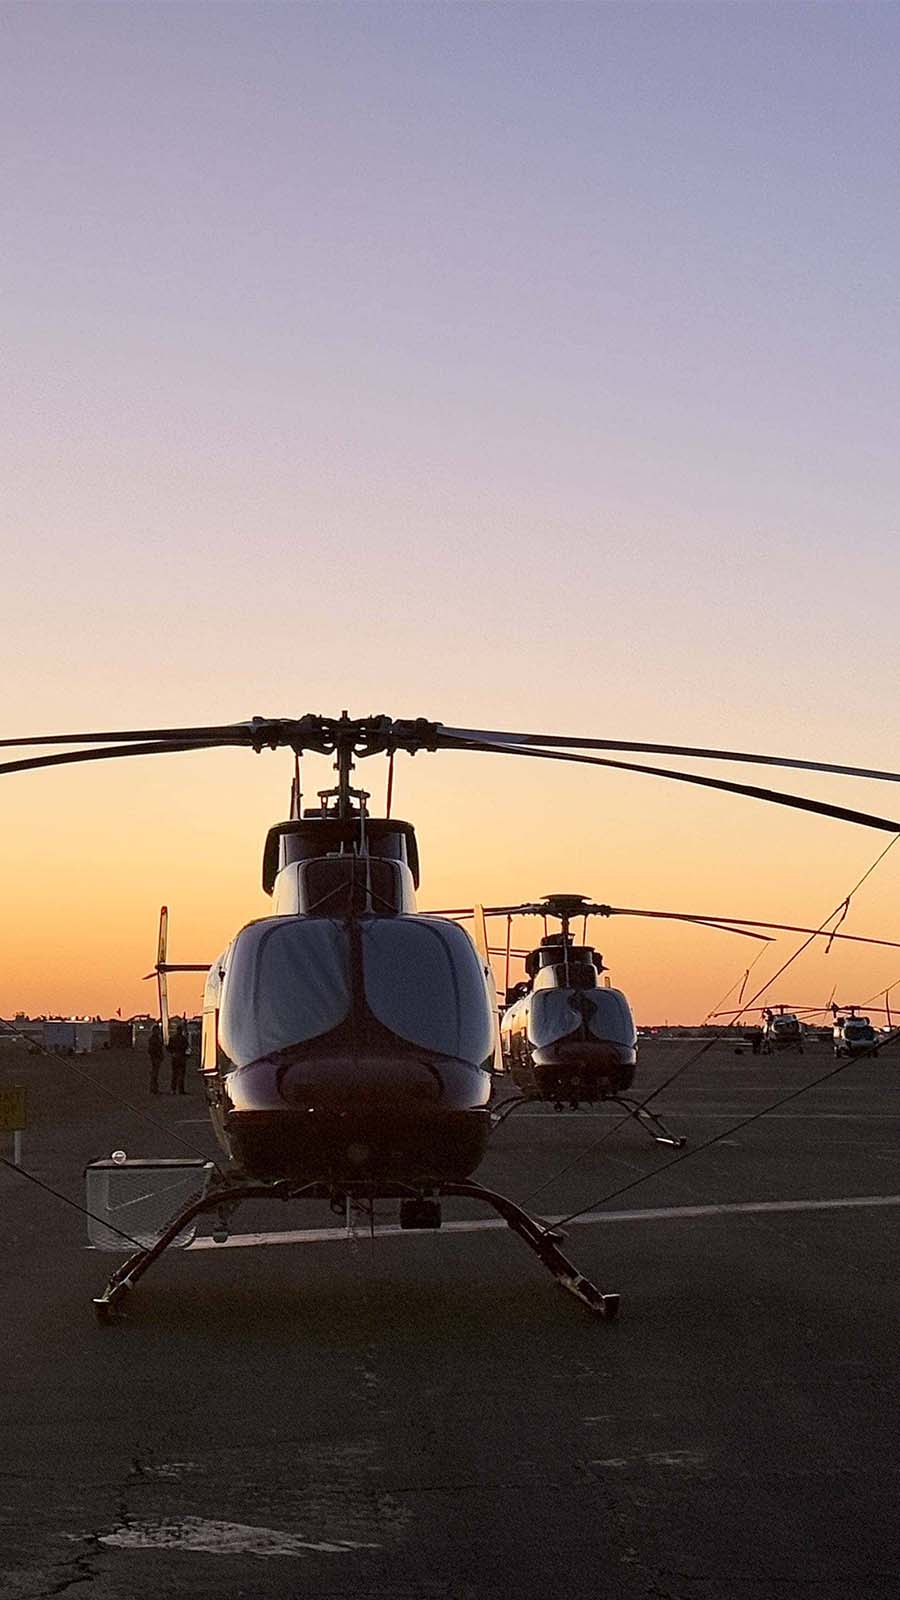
(349,804)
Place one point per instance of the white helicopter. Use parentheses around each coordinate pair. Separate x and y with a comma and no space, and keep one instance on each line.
(852,1033)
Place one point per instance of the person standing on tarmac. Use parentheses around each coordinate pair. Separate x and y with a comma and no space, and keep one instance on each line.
(156,1051)
(178,1050)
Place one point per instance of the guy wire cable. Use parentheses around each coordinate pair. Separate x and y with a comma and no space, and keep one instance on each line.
(838,908)
(716,1137)
(739,982)
(878,993)
(841,907)
(716,1039)
(58,1195)
(676,1073)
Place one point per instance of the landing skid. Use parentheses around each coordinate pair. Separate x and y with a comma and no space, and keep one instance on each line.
(648,1120)
(225,1200)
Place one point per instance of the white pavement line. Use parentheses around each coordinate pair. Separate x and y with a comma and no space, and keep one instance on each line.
(222,1538)
(697,1110)
(787,1116)
(238,1241)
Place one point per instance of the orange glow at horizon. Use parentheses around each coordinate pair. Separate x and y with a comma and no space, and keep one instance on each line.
(84,875)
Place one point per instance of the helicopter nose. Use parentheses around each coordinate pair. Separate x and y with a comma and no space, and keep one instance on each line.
(346,1083)
(343,1118)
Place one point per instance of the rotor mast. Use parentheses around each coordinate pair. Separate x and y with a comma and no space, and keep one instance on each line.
(345,738)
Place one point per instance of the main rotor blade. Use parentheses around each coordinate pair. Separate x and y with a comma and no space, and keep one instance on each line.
(215,735)
(707,922)
(464,912)
(68,758)
(775,1007)
(774,796)
(700,918)
(879,1011)
(244,732)
(590,910)
(537,740)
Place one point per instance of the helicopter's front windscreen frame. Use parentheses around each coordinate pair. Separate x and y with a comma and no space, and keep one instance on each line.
(289,981)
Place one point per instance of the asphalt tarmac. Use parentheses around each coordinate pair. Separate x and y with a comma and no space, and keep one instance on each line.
(429,1417)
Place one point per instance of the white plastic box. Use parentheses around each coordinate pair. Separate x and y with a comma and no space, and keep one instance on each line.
(139,1198)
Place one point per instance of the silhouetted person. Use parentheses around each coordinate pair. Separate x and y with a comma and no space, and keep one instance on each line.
(155,1051)
(178,1050)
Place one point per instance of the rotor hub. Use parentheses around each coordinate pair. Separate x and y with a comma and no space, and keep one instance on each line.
(360,736)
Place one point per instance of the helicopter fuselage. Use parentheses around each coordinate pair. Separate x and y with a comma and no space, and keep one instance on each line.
(782,1032)
(854,1036)
(567,1038)
(347,1039)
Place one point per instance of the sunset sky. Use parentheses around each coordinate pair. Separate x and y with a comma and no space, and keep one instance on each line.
(530,366)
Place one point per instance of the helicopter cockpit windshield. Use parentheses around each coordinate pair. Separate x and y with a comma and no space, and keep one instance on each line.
(859,1028)
(316,835)
(605,1013)
(290,980)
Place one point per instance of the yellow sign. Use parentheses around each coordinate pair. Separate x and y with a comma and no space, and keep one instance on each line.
(12,1110)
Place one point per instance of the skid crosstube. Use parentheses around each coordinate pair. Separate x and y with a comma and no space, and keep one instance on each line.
(652,1124)
(646,1119)
(225,1199)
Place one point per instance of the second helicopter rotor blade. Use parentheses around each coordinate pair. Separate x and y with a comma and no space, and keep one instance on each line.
(700,919)
(746,923)
(777,797)
(463,912)
(709,922)
(591,910)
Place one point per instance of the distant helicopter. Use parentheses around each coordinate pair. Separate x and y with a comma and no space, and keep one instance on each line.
(565,1038)
(780,1028)
(853,1034)
(348,1041)
(781,1031)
